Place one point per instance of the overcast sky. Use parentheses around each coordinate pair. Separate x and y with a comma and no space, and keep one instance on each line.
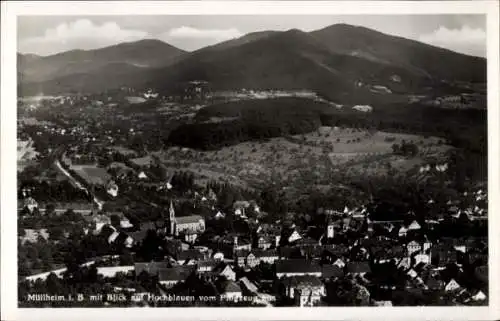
(46,35)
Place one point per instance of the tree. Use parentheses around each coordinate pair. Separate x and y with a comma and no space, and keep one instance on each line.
(395,148)
(56,233)
(115,220)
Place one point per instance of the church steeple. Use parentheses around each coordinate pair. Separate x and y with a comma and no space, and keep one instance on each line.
(171,213)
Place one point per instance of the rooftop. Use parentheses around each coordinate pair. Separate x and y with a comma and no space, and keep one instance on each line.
(189,219)
(303,281)
(177,273)
(297,266)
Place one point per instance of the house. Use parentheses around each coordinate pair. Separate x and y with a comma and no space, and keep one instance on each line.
(434,284)
(30,204)
(231,291)
(112,188)
(185,256)
(363,108)
(296,267)
(218,256)
(412,273)
(33,236)
(264,242)
(169,277)
(402,231)
(225,270)
(358,268)
(444,257)
(142,175)
(422,258)
(256,256)
(414,226)
(98,222)
(413,247)
(205,266)
(240,244)
(189,225)
(151,268)
(339,263)
(426,246)
(331,271)
(219,215)
(294,236)
(479,296)
(306,290)
(452,286)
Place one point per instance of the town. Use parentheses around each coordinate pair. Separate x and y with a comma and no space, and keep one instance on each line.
(110,212)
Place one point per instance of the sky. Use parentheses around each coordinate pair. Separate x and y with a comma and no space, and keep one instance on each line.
(47,35)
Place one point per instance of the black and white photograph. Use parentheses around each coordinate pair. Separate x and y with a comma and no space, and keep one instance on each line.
(248,160)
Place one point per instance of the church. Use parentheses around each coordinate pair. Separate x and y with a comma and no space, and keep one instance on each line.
(188,226)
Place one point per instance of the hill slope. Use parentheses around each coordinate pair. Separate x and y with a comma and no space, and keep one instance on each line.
(286,60)
(413,55)
(139,54)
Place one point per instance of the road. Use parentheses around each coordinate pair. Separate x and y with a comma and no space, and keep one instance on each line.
(98,202)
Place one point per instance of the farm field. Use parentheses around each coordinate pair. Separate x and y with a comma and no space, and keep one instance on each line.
(92,174)
(312,159)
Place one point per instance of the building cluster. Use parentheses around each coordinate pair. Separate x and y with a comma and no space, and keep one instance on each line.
(287,264)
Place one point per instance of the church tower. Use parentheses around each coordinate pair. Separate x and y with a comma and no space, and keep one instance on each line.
(329,230)
(171,213)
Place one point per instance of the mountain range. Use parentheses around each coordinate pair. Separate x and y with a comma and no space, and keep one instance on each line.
(330,61)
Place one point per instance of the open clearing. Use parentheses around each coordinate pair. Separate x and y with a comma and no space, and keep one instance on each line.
(92,174)
(302,159)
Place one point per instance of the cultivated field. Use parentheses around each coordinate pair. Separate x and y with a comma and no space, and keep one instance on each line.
(313,159)
(92,174)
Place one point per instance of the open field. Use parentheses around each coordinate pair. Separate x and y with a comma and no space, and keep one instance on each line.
(135,99)
(123,150)
(349,144)
(310,159)
(92,174)
(142,161)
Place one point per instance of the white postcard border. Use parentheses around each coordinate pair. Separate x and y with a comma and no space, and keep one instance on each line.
(10,11)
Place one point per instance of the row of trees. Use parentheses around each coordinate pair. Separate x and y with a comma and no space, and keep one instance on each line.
(54,191)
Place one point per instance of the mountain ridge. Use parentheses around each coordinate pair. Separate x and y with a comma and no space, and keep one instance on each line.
(328,59)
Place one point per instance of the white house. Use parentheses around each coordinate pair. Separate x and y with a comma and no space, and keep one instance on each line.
(452,286)
(112,189)
(228,272)
(414,226)
(363,108)
(219,215)
(479,296)
(405,263)
(402,231)
(30,204)
(306,290)
(218,256)
(232,292)
(422,258)
(339,263)
(413,247)
(295,236)
(411,273)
